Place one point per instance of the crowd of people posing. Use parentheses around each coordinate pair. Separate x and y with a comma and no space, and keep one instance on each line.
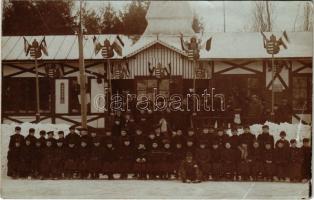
(132,152)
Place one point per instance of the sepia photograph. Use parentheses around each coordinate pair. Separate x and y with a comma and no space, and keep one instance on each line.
(156,99)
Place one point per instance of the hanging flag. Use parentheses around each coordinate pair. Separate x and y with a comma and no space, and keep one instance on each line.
(97,45)
(43,46)
(208,44)
(280,42)
(117,45)
(26,46)
(285,35)
(264,39)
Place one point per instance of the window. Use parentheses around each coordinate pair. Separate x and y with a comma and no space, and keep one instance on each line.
(301,93)
(19,95)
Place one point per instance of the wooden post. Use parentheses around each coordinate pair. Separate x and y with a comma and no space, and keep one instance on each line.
(82,73)
(272,88)
(37,91)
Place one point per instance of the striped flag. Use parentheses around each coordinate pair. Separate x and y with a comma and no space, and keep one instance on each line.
(97,45)
(26,46)
(43,46)
(117,45)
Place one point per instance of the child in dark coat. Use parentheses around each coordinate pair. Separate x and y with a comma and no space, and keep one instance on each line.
(268,162)
(125,157)
(244,164)
(216,161)
(96,158)
(281,160)
(295,162)
(255,160)
(110,159)
(265,138)
(71,159)
(83,158)
(47,162)
(140,165)
(27,159)
(203,157)
(189,170)
(167,165)
(229,157)
(38,154)
(59,159)
(307,158)
(283,140)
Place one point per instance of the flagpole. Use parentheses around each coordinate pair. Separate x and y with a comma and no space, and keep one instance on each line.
(37,91)
(82,73)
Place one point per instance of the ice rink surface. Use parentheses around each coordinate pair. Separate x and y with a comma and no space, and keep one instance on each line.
(151,189)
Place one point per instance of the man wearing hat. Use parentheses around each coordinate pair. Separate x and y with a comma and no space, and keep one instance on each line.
(85,136)
(216,160)
(247,137)
(221,137)
(71,158)
(265,137)
(96,157)
(72,136)
(50,137)
(42,138)
(31,136)
(281,159)
(83,157)
(15,153)
(47,163)
(59,157)
(16,137)
(268,161)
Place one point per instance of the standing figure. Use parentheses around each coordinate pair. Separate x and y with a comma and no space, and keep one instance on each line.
(189,170)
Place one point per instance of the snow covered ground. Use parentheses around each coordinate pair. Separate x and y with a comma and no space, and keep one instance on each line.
(151,189)
(147,189)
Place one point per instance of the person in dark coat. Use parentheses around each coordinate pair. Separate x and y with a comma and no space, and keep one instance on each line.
(221,138)
(125,151)
(243,166)
(116,127)
(255,160)
(72,136)
(265,138)
(38,154)
(42,138)
(83,158)
(268,161)
(189,169)
(31,137)
(216,161)
(281,160)
(229,158)
(295,162)
(203,158)
(284,112)
(96,158)
(50,136)
(61,136)
(247,137)
(14,158)
(16,138)
(167,165)
(139,137)
(307,158)
(178,154)
(283,140)
(71,158)
(140,164)
(110,159)
(234,139)
(154,159)
(59,159)
(47,162)
(27,159)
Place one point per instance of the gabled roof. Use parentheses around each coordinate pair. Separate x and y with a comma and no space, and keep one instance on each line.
(60,47)
(147,41)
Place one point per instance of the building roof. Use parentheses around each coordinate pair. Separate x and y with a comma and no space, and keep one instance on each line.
(228,45)
(60,47)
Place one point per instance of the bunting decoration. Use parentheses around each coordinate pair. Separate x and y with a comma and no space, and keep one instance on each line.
(35,49)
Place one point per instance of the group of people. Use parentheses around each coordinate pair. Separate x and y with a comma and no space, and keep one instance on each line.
(132,151)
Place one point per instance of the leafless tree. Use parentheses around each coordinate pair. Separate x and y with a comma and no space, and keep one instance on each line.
(308,17)
(262,16)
